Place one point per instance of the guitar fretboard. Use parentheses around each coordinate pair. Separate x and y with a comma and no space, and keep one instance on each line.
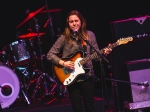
(95,55)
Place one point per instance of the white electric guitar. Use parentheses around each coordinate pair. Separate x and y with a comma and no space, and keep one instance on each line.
(67,76)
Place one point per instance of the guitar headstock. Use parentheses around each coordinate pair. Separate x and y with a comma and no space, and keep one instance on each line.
(124,40)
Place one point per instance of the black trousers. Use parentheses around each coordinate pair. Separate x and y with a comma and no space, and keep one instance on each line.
(82,95)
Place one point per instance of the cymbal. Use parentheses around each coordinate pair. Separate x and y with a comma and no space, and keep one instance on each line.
(32,14)
(51,10)
(29,35)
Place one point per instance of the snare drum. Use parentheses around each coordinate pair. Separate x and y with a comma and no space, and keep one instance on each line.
(19,52)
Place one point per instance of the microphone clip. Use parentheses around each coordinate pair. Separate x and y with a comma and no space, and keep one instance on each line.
(145,84)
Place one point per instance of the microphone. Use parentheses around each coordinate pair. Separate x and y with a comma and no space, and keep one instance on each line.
(75,33)
(146,84)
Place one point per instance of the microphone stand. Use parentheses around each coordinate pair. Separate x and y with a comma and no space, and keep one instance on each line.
(145,84)
(100,55)
(104,82)
(116,90)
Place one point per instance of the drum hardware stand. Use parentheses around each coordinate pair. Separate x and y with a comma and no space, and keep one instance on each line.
(56,85)
(48,92)
(25,72)
(31,43)
(32,81)
(41,58)
(25,96)
(4,61)
(1,110)
(54,82)
(38,82)
(42,76)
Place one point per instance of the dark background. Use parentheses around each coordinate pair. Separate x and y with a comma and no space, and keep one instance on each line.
(99,15)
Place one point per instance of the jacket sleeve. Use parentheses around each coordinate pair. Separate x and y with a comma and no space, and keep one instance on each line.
(55,49)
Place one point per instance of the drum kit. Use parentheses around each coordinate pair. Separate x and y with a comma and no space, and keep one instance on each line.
(20,78)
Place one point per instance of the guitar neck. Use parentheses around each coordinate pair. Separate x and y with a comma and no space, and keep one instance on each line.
(110,46)
(95,55)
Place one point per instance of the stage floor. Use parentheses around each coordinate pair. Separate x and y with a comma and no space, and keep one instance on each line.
(57,104)
(53,105)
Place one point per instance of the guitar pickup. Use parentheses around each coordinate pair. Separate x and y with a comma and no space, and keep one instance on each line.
(66,70)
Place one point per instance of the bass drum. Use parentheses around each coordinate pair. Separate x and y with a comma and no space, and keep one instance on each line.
(9,86)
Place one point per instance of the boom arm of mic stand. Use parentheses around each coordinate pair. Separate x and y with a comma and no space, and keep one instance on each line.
(94,49)
(135,83)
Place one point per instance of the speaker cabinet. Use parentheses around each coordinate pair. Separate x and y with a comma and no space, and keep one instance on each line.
(137,49)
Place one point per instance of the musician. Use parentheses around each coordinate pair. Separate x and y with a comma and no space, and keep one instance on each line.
(69,43)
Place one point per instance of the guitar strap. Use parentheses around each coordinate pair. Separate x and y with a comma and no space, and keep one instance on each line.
(82,47)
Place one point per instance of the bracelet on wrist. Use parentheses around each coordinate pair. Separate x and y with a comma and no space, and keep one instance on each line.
(63,63)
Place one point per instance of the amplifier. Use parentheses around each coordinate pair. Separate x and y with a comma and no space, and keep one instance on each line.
(138,72)
(130,27)
(138,49)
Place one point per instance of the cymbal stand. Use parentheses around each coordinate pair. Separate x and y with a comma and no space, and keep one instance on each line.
(42,76)
(39,43)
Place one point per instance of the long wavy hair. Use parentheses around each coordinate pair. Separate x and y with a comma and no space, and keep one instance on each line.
(82,31)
